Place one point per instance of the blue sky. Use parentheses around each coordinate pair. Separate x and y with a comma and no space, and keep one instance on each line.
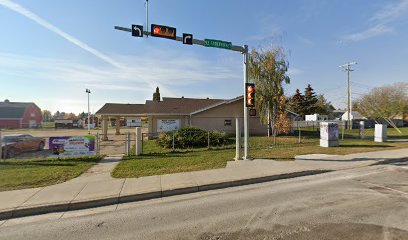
(51,51)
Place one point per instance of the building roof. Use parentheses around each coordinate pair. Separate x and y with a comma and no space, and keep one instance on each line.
(13,110)
(121,109)
(169,106)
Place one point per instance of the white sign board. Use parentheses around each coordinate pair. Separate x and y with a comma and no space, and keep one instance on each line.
(165,125)
(134,122)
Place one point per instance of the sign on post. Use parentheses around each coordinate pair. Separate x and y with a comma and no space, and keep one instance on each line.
(188,38)
(217,44)
(137,30)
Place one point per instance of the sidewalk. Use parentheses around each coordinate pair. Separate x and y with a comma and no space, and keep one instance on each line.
(97,188)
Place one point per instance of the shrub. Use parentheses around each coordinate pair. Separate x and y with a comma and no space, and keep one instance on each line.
(189,137)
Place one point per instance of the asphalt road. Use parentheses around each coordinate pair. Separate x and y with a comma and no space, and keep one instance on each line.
(363,203)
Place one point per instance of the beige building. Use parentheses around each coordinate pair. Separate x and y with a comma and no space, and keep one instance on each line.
(176,113)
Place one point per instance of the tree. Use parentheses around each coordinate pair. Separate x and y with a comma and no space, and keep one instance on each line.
(46,115)
(310,100)
(267,69)
(70,116)
(322,106)
(82,115)
(296,103)
(386,102)
(56,115)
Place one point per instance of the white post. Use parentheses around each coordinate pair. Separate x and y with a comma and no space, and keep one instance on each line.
(246,116)
(128,144)
(237,139)
(138,144)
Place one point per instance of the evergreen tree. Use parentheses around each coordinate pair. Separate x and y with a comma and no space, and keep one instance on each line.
(310,100)
(296,103)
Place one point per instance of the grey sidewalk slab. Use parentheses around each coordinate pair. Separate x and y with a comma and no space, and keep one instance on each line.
(57,194)
(135,189)
(13,199)
(108,190)
(173,184)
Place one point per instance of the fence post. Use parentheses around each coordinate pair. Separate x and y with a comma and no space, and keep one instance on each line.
(142,142)
(238,139)
(298,130)
(97,143)
(208,139)
(138,141)
(1,147)
(173,140)
(128,144)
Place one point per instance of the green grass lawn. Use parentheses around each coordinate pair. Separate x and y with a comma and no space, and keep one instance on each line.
(29,173)
(158,161)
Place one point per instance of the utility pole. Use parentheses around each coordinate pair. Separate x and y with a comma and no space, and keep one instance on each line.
(147,15)
(347,68)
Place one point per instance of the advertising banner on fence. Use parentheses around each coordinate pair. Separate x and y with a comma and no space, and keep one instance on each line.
(73,146)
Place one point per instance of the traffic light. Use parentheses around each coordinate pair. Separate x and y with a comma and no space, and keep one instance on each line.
(137,30)
(250,94)
(163,31)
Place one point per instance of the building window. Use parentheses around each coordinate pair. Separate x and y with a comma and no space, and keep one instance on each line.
(227,122)
(32,114)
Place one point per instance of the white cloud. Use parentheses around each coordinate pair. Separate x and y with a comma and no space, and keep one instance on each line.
(369,33)
(27,13)
(381,22)
(156,70)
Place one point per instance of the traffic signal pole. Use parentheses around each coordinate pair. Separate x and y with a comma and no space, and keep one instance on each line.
(241,49)
(246,115)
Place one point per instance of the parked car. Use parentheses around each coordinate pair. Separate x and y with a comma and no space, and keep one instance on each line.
(19,143)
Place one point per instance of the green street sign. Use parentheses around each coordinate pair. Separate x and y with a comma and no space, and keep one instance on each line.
(217,44)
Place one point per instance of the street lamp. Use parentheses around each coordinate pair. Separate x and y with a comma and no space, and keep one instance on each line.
(89,114)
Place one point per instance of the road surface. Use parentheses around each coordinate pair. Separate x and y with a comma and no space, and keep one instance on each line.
(363,203)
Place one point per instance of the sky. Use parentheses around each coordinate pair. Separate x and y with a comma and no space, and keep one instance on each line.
(51,51)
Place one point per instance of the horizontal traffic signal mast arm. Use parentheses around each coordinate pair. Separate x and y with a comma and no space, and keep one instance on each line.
(180,39)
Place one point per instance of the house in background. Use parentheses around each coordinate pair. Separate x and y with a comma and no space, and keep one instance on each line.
(353,116)
(19,115)
(175,113)
(316,117)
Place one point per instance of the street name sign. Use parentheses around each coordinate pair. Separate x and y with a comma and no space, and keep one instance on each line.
(217,44)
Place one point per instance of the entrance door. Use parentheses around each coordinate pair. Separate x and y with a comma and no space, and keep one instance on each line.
(32,123)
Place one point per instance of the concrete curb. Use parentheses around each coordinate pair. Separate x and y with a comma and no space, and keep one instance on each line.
(62,207)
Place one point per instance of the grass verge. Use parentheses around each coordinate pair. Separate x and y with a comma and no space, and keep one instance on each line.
(30,173)
(158,161)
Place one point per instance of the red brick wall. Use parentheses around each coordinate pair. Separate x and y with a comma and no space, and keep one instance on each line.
(9,123)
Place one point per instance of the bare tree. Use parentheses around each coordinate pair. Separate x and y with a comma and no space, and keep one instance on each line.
(386,102)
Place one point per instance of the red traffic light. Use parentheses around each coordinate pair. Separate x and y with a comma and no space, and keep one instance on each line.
(163,31)
(250,94)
